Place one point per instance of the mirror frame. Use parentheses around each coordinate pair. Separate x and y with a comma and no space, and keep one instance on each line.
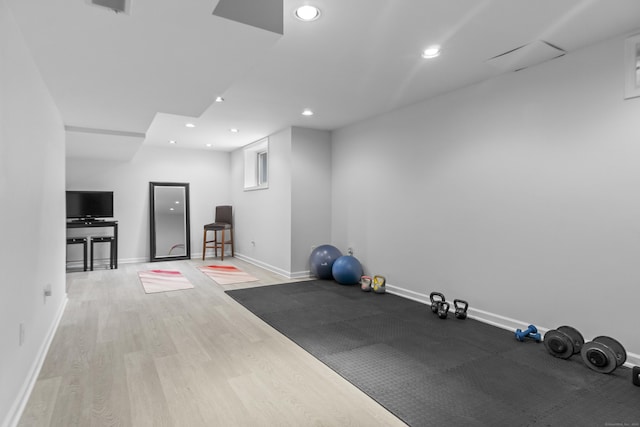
(152,222)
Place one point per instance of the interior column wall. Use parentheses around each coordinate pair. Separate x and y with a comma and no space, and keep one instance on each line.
(262,218)
(310,195)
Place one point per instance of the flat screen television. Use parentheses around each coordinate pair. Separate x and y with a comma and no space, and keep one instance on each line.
(88,205)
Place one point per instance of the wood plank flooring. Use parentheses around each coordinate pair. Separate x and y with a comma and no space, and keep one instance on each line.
(185,358)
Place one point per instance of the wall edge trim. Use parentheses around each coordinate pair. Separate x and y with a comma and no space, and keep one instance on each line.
(15,413)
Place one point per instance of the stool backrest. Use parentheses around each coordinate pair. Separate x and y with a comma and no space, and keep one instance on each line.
(224,215)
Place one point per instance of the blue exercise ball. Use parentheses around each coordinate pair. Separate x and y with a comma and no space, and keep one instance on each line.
(347,270)
(322,259)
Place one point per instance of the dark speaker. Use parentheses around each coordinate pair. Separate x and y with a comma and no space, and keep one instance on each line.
(636,375)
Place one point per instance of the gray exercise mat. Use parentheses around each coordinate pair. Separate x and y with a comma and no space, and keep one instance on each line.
(433,372)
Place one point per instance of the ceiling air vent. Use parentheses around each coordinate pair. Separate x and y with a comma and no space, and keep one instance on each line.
(118,6)
(526,56)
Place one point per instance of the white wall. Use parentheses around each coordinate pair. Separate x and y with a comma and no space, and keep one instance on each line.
(277,226)
(310,195)
(32,218)
(264,216)
(207,173)
(519,194)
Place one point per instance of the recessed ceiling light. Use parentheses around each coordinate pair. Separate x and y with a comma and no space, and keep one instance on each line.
(190,125)
(208,145)
(219,99)
(172,141)
(234,130)
(307,13)
(177,202)
(307,112)
(431,52)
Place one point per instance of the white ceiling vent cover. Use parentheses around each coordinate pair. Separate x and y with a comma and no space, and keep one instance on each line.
(118,6)
(526,56)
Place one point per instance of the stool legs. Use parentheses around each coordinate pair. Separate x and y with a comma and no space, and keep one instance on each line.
(78,240)
(112,250)
(112,255)
(204,244)
(91,254)
(218,243)
(221,245)
(100,239)
(84,257)
(231,234)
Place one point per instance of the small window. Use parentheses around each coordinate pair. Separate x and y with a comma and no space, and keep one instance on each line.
(256,165)
(262,169)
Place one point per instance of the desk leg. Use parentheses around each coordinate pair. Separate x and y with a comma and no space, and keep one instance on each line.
(115,242)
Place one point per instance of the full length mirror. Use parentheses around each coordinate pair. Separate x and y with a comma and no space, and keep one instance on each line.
(169,220)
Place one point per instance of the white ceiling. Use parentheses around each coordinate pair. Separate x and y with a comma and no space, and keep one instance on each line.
(122,80)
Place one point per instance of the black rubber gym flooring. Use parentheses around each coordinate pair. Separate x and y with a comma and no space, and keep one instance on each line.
(434,372)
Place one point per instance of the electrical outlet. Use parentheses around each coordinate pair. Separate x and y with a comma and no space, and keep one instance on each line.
(21,334)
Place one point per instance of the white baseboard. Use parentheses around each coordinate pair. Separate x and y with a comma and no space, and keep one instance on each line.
(493,319)
(27,387)
(284,273)
(306,274)
(633,359)
(264,265)
(80,264)
(132,260)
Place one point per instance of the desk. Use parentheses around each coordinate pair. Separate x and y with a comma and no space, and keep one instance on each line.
(91,224)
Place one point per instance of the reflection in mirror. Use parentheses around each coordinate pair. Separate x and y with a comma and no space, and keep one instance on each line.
(169,220)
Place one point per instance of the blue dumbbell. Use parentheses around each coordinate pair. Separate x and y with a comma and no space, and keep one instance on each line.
(530,332)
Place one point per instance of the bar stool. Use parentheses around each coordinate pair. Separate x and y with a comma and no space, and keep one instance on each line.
(224,221)
(77,241)
(112,249)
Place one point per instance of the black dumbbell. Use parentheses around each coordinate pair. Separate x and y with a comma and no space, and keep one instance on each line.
(604,354)
(563,342)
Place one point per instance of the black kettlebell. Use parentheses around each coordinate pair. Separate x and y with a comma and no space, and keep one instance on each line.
(436,298)
(461,308)
(443,309)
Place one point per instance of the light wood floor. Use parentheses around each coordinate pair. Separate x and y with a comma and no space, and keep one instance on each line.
(186,358)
